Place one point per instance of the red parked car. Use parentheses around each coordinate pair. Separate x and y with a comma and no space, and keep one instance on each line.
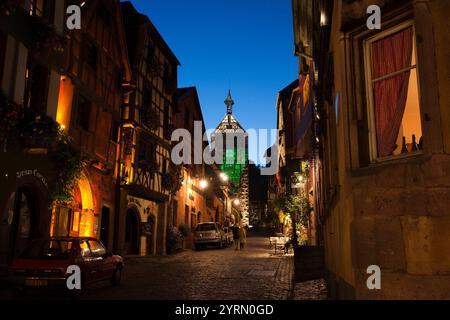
(44,263)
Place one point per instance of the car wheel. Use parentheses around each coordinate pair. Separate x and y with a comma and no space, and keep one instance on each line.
(117,277)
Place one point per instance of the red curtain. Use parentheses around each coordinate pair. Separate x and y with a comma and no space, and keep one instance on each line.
(389,55)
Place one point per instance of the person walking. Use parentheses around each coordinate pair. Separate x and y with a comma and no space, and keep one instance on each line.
(236,236)
(242,236)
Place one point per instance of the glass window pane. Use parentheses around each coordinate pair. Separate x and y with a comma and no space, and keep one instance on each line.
(97,248)
(84,249)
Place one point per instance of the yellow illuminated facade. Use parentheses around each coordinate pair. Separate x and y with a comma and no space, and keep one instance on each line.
(77,219)
(64,102)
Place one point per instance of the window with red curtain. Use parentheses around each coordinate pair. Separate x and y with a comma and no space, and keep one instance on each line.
(394,90)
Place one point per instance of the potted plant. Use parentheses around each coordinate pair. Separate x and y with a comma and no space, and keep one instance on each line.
(174,240)
(185,231)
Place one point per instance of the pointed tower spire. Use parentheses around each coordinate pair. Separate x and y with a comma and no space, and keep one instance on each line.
(229,103)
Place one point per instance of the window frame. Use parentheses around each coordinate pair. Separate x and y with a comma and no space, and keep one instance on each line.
(369,85)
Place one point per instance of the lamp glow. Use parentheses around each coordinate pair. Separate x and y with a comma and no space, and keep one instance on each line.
(203,184)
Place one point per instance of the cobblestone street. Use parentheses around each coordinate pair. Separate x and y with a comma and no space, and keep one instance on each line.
(254,273)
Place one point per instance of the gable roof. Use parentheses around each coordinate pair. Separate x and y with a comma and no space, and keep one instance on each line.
(229,124)
(134,18)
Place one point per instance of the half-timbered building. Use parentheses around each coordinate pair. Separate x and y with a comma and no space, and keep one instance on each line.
(89,108)
(31,56)
(146,168)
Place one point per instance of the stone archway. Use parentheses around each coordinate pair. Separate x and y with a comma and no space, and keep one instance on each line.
(77,219)
(87,215)
(132,232)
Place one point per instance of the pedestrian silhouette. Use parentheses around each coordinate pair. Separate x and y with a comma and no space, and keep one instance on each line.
(236,237)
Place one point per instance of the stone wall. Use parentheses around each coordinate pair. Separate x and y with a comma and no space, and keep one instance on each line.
(395,214)
(402,224)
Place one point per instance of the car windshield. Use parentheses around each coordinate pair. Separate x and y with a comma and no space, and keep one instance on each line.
(48,250)
(206,227)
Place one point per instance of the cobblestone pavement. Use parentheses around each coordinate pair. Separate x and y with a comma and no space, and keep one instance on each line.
(216,274)
(255,273)
(310,290)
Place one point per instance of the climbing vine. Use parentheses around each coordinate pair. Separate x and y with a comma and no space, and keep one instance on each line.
(25,128)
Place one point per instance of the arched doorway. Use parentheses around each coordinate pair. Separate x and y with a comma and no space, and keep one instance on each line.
(77,219)
(132,233)
(21,217)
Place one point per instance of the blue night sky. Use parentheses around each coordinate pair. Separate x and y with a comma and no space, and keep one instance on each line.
(243,44)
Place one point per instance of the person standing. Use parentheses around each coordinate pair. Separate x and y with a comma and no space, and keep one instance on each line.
(236,236)
(242,236)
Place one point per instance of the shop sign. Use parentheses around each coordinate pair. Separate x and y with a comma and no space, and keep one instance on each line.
(33,173)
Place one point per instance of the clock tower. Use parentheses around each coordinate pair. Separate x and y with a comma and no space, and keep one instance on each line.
(235,157)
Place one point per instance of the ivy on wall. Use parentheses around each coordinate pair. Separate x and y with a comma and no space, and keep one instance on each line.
(69,167)
(25,129)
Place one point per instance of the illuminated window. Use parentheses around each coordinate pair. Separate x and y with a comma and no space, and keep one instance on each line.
(75,227)
(393,93)
(62,221)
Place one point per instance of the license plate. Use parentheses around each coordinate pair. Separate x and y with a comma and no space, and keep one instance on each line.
(36,283)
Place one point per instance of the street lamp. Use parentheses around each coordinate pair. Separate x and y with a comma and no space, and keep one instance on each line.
(224,177)
(203,184)
(236,202)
